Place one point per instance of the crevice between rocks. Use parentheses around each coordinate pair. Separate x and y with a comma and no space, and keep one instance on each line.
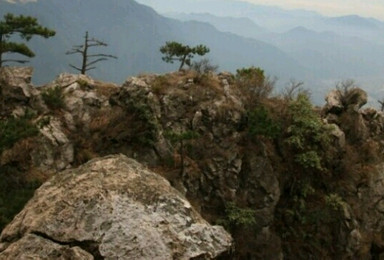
(89,246)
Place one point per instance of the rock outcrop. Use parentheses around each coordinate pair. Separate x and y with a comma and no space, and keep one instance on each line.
(16,90)
(343,109)
(195,131)
(110,208)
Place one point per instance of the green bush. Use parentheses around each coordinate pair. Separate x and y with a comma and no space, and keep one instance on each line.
(335,202)
(175,137)
(254,84)
(307,134)
(237,217)
(54,98)
(14,191)
(147,129)
(260,123)
(14,129)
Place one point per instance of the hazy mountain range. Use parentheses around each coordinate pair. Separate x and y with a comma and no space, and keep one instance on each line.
(331,49)
(288,44)
(135,33)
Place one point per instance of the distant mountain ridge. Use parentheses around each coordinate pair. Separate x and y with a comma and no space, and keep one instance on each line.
(270,17)
(135,33)
(331,48)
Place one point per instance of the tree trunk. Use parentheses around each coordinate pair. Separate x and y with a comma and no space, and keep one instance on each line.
(182,62)
(1,50)
(85,54)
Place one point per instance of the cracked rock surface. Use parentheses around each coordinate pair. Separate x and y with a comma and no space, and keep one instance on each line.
(110,208)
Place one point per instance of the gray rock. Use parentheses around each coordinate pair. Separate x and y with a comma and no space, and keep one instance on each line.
(66,79)
(37,247)
(114,208)
(55,150)
(135,81)
(333,102)
(338,135)
(15,88)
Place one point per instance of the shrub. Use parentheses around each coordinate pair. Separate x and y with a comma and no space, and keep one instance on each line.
(13,197)
(53,97)
(308,135)
(260,123)
(237,217)
(344,88)
(204,66)
(160,84)
(310,159)
(14,129)
(335,202)
(254,84)
(146,128)
(293,90)
(181,138)
(175,137)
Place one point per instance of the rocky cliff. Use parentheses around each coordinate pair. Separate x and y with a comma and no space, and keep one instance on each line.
(287,180)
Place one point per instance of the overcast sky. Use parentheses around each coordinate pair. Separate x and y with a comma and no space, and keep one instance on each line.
(368,8)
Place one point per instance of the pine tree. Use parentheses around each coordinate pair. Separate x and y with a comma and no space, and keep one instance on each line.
(175,51)
(26,27)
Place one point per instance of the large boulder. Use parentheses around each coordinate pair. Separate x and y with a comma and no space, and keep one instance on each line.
(110,208)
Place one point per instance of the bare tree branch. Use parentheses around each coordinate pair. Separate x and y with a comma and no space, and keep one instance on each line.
(91,68)
(103,55)
(18,61)
(95,61)
(76,68)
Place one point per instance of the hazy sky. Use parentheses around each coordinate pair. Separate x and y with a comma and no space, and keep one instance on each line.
(368,8)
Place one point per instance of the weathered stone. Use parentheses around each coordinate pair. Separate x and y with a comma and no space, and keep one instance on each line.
(15,88)
(115,208)
(34,246)
(55,150)
(17,77)
(333,102)
(65,80)
(339,135)
(136,82)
